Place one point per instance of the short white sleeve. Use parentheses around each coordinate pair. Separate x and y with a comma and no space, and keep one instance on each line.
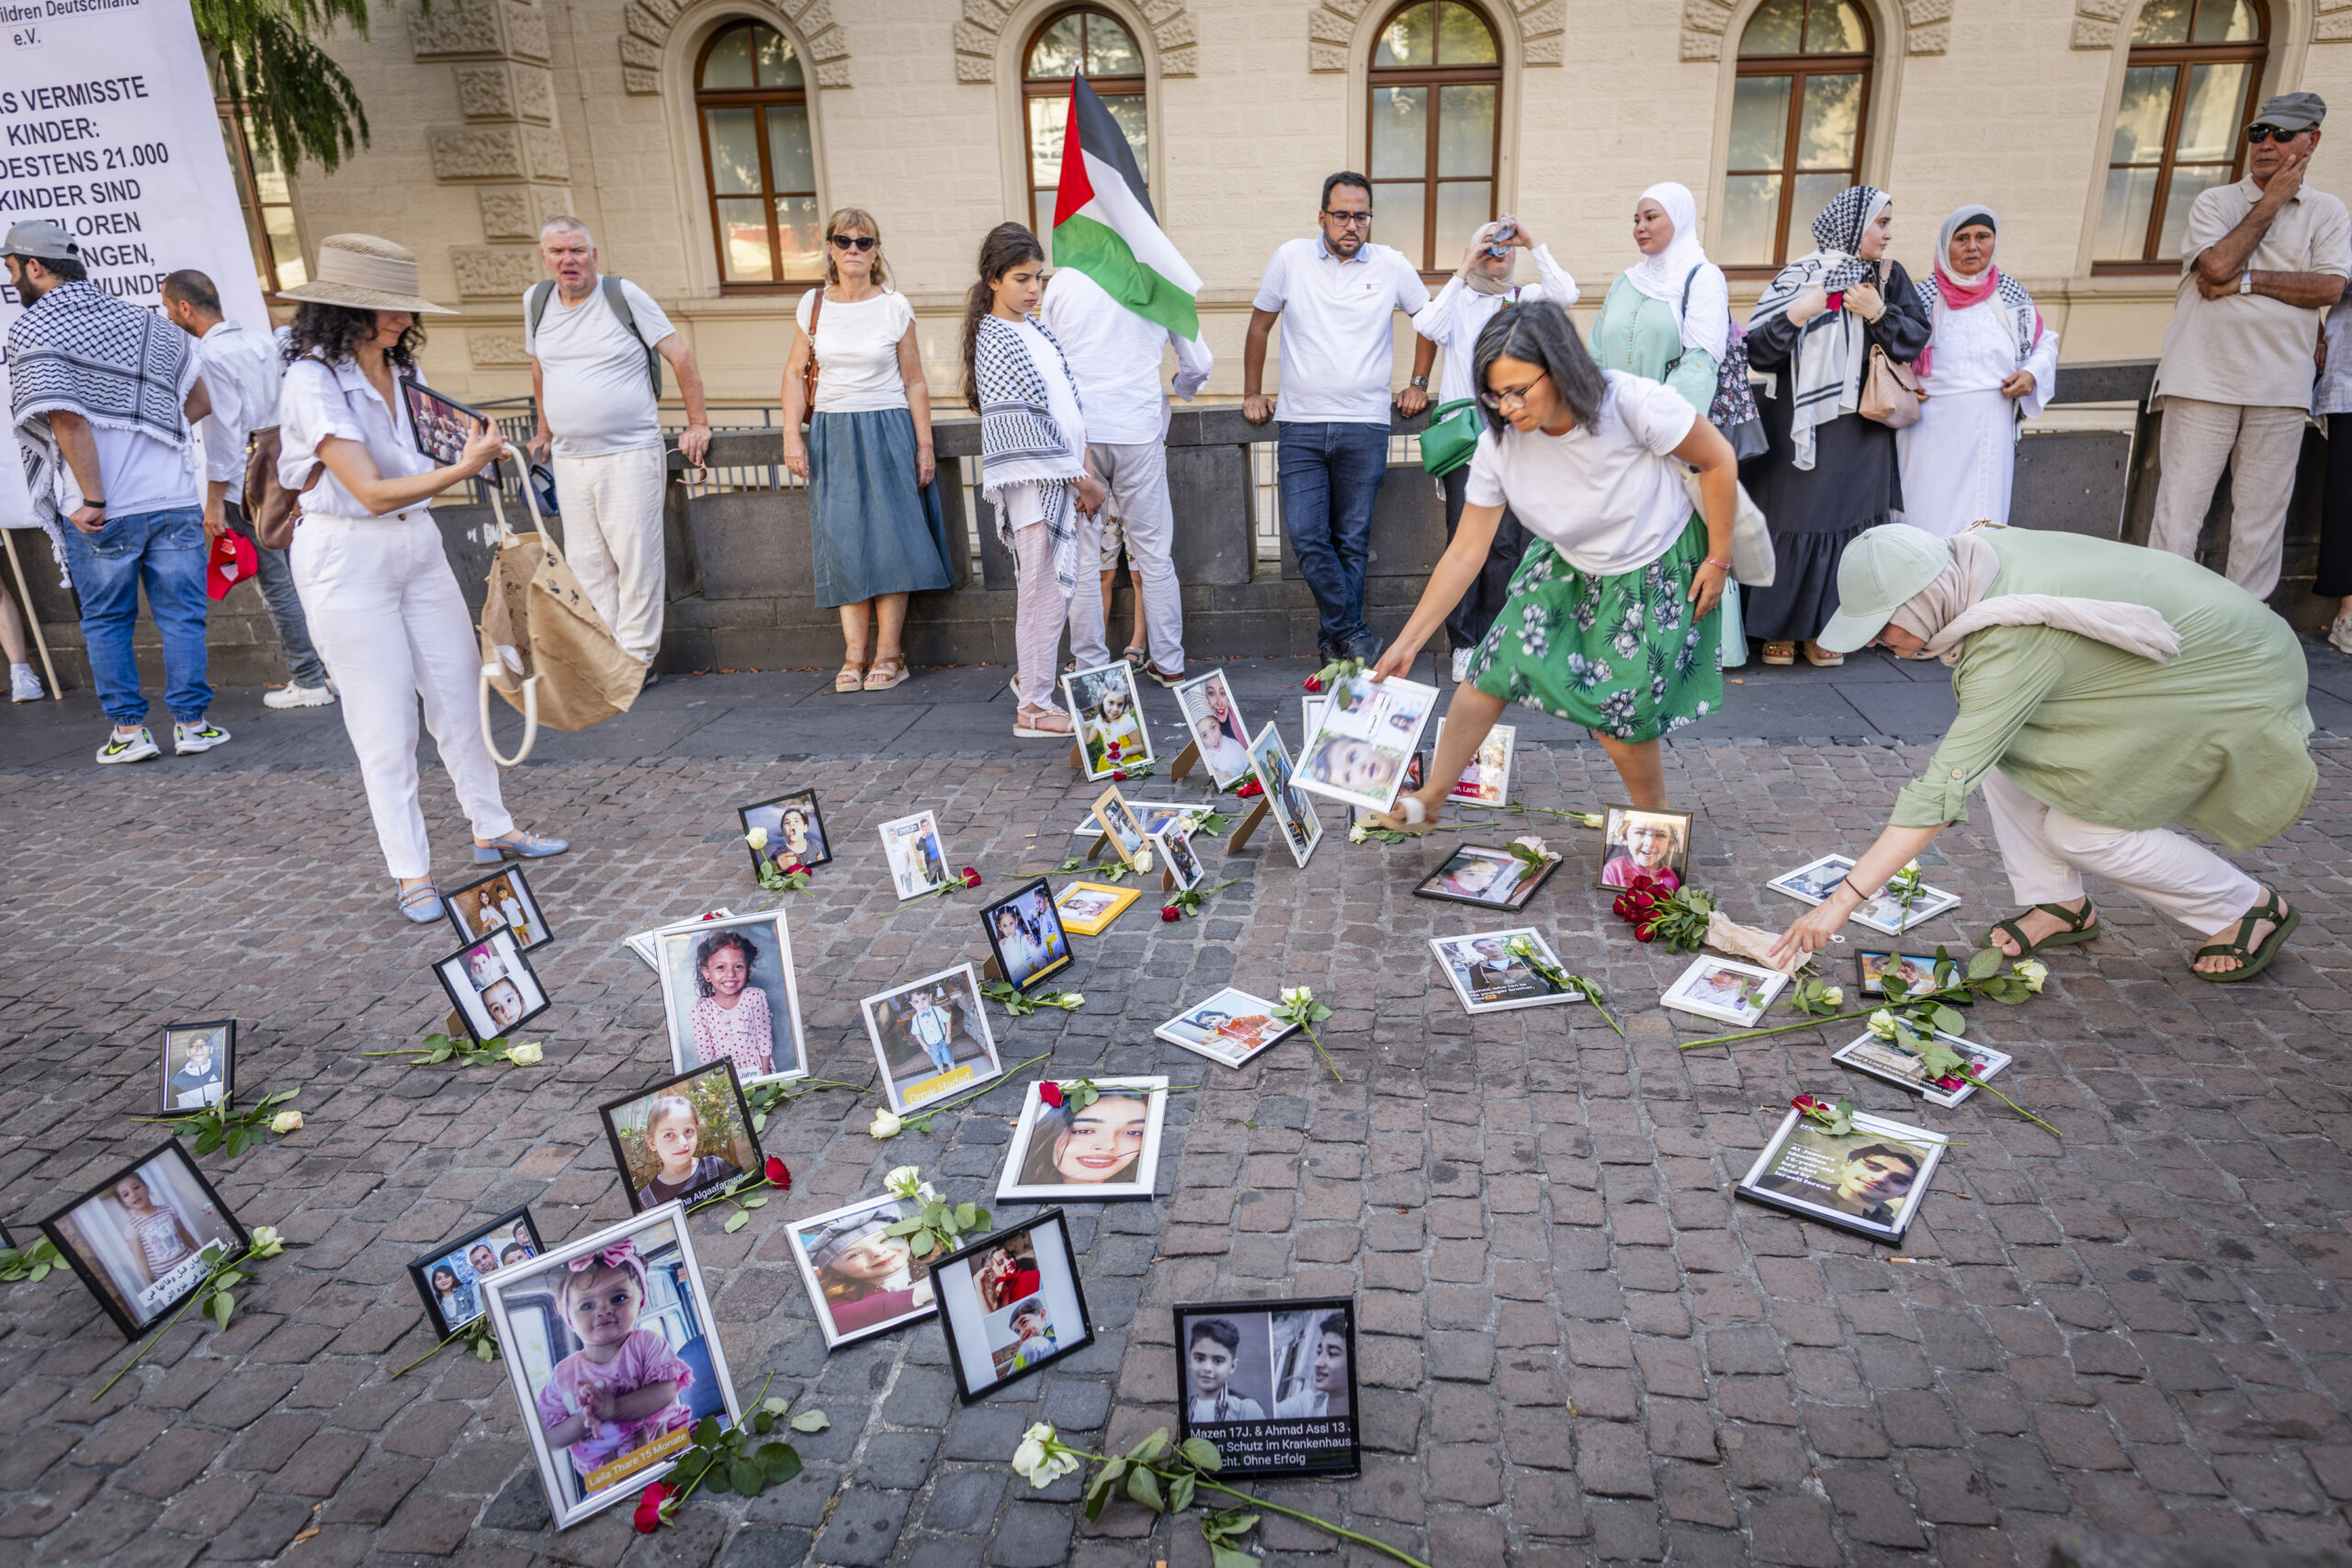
(1654,412)
(652,324)
(1485,487)
(1411,292)
(1273,289)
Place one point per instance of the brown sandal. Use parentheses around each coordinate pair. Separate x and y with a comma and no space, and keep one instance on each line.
(886,673)
(850,678)
(1780,653)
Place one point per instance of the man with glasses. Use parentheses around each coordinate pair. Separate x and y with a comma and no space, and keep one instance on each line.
(2263,258)
(1334,294)
(597,347)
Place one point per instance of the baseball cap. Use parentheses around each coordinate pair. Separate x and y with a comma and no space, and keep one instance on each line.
(1883,568)
(41,237)
(233,560)
(2291,111)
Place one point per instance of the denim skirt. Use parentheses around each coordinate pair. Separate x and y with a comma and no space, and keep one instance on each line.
(871,527)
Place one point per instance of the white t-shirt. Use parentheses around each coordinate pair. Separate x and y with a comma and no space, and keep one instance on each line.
(1338,349)
(1608,496)
(592,373)
(857,352)
(142,474)
(1117,354)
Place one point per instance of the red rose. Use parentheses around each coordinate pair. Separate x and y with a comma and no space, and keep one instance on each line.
(1118,775)
(1171,912)
(1249,790)
(1807,1104)
(1646,932)
(1110,748)
(795,869)
(1314,683)
(649,1508)
(1051,1094)
(779,1177)
(971,878)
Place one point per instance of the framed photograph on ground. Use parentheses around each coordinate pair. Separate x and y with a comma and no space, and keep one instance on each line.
(450,1278)
(917,862)
(931,1038)
(1813,883)
(441,423)
(1489,977)
(1272,1383)
(1916,970)
(493,986)
(1486,780)
(200,1066)
(1213,722)
(1010,1305)
(614,1355)
(1302,829)
(1176,852)
(1636,842)
(1153,814)
(795,832)
(1490,878)
(1106,1148)
(860,1278)
(684,1139)
(1717,988)
(1229,1029)
(500,901)
(1119,823)
(143,1239)
(1089,908)
(1110,717)
(1357,754)
(1416,774)
(1025,931)
(728,991)
(643,942)
(1889,1060)
(1869,1181)
(1310,716)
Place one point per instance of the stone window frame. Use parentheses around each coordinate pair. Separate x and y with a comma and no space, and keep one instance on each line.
(1007,69)
(1790,222)
(761,98)
(1526,34)
(1134,84)
(1430,252)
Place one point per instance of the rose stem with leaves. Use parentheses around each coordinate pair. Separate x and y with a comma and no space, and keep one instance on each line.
(1207,1485)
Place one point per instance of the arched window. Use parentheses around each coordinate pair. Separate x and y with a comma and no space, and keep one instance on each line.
(762,165)
(1436,83)
(1796,126)
(1080,43)
(2188,86)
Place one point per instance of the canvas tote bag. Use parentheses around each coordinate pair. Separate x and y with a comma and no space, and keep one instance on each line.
(1753,560)
(544,648)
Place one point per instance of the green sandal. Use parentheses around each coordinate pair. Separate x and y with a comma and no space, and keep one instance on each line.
(2079,928)
(2250,964)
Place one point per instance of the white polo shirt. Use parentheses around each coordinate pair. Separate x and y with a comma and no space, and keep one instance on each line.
(1338,349)
(242,370)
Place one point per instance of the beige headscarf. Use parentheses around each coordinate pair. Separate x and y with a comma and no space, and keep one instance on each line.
(1948,610)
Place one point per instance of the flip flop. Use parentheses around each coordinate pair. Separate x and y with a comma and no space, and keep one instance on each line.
(2079,928)
(2251,964)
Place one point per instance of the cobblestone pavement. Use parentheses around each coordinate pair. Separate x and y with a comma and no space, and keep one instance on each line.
(1575,1348)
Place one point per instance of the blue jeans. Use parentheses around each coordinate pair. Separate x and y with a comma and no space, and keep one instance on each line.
(276,580)
(168,550)
(1330,475)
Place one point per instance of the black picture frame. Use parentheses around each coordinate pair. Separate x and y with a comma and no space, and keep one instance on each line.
(1243,1462)
(1529,884)
(91,1271)
(1611,830)
(513,873)
(228,1064)
(1042,892)
(420,1270)
(805,798)
(1866,984)
(752,1170)
(457,999)
(434,418)
(941,1284)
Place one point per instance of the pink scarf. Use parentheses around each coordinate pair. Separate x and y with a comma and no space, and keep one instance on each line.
(1957,298)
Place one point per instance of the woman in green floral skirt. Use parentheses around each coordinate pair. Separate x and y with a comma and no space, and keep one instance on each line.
(1611,619)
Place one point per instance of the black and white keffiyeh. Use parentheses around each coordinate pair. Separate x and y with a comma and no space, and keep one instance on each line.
(81,349)
(1832,348)
(1022,443)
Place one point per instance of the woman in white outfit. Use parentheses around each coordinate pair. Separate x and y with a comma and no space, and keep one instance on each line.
(1990,365)
(383,605)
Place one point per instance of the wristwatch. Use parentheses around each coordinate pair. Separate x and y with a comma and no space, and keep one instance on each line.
(1422,382)
(2245,281)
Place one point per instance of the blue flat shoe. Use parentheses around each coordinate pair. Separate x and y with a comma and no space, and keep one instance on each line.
(421,904)
(518,845)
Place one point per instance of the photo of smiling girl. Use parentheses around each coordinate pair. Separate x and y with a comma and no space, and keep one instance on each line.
(684,1139)
(731,995)
(1070,1153)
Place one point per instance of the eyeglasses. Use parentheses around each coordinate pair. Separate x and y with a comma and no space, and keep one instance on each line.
(2258,134)
(1348,220)
(854,241)
(1517,397)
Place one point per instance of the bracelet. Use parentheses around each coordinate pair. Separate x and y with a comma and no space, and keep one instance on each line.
(1713,561)
(1848,884)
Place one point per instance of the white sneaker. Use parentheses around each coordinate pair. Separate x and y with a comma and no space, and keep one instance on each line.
(2339,636)
(190,738)
(294,694)
(24,686)
(138,749)
(1462,664)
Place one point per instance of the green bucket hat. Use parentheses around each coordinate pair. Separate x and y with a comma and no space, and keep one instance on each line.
(1885,565)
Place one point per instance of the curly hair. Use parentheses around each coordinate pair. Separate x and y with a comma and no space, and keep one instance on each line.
(712,946)
(332,332)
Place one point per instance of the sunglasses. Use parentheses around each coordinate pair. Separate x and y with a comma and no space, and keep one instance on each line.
(2258,134)
(1348,219)
(853,241)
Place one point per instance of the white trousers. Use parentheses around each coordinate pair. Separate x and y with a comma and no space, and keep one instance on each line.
(2046,852)
(386,617)
(1137,474)
(2260,446)
(612,537)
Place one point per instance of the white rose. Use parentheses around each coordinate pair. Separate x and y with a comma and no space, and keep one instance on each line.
(1072,998)
(1883,1024)
(2032,971)
(886,1125)
(1834,995)
(1040,1460)
(267,1241)
(1359,833)
(757,837)
(905,1181)
(286,1122)
(527,1055)
(1143,860)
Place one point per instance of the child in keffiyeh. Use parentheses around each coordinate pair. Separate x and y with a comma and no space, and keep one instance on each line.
(619,1390)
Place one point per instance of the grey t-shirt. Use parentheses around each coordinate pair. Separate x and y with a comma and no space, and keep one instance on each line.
(599,397)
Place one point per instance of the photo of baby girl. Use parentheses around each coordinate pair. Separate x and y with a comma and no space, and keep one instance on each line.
(139,1241)
(684,1139)
(730,994)
(609,1346)
(1476,873)
(861,1279)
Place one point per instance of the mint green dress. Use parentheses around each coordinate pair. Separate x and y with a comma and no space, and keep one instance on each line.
(1640,335)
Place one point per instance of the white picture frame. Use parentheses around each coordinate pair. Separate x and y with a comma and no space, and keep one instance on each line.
(1226,754)
(1182,858)
(1485,781)
(1886,1060)
(1488,978)
(1812,882)
(1088,694)
(897,1021)
(819,1244)
(1247,1031)
(915,853)
(1055,1157)
(1702,990)
(1294,813)
(771,976)
(1812,1183)
(1370,729)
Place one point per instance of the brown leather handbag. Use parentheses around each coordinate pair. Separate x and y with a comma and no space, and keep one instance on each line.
(1890,392)
(270,507)
(808,372)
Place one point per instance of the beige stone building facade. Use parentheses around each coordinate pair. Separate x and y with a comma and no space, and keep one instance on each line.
(676,129)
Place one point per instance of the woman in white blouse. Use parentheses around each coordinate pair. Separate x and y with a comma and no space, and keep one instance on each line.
(1990,365)
(875,527)
(376,586)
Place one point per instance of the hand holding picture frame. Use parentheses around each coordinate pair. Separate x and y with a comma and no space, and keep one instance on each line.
(1107,1148)
(1272,1383)
(442,424)
(728,990)
(684,1139)
(143,1240)
(931,1038)
(200,1066)
(1370,728)
(1111,735)
(1814,881)
(1011,1304)
(1869,1181)
(450,1278)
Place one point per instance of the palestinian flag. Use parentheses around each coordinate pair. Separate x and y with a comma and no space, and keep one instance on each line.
(1104,226)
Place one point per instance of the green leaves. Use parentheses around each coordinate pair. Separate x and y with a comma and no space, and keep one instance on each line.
(32,1263)
(297,100)
(940,1227)
(729,1460)
(810,1421)
(1221,1531)
(1981,963)
(1201,1454)
(1143,1485)
(221,1125)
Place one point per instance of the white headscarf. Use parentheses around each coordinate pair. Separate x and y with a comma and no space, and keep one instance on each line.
(1706,322)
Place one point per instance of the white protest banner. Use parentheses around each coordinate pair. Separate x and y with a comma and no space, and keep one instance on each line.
(108,126)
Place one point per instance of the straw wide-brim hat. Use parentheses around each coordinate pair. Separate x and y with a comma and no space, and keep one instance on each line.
(365,274)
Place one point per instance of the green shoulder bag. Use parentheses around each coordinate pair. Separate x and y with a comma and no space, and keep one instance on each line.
(1451,436)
